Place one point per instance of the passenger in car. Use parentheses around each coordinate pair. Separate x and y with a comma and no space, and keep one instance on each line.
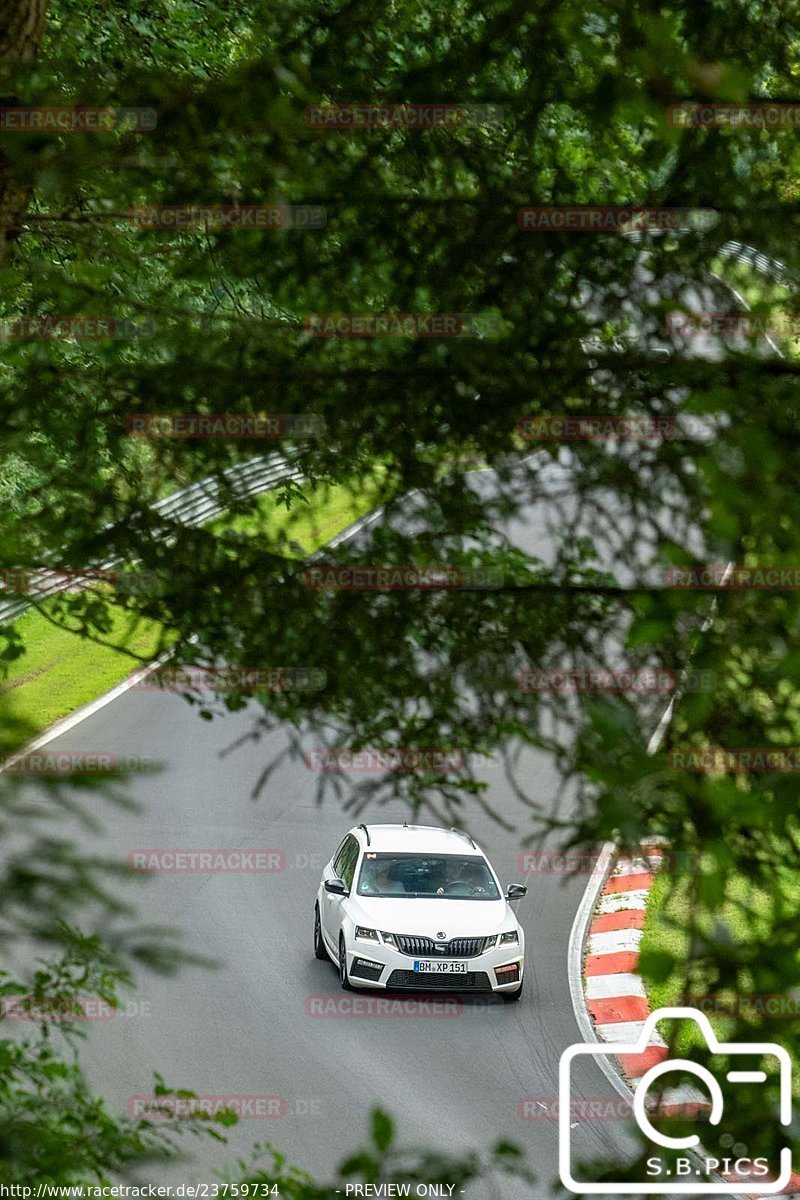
(382,882)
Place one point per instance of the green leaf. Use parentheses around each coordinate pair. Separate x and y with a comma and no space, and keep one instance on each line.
(382,1130)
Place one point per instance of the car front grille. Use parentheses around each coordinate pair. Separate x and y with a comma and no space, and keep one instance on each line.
(417,981)
(455,948)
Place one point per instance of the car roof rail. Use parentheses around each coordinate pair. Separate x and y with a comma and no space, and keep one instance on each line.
(366,832)
(463,834)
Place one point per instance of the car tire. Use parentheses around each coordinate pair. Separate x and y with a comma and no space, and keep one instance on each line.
(319,945)
(510,997)
(344,979)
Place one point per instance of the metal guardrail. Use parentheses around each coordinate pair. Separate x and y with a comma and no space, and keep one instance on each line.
(740,251)
(201,502)
(191,506)
(751,257)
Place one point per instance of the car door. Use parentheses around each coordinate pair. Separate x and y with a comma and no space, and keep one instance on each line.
(331,904)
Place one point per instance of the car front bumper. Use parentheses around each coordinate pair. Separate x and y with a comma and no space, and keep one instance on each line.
(371,965)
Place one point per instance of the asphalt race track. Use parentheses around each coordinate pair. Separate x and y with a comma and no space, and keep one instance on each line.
(456,1081)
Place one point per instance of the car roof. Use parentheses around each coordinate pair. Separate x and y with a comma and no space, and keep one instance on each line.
(420,839)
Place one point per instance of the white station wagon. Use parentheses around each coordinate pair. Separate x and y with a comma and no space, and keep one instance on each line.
(418,908)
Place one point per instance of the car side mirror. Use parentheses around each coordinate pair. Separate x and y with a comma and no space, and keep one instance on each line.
(516,891)
(336,887)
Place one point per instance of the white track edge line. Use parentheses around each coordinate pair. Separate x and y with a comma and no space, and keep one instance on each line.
(65,724)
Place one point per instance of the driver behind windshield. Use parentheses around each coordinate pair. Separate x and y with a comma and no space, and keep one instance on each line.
(465,877)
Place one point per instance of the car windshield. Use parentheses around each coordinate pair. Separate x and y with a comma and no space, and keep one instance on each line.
(445,876)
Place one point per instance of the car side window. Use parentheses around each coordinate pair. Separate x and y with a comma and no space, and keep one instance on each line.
(349,863)
(340,857)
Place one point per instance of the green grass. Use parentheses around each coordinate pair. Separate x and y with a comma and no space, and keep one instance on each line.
(665,930)
(745,914)
(60,670)
(309,525)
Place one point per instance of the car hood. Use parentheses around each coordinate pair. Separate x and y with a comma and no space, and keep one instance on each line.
(429,917)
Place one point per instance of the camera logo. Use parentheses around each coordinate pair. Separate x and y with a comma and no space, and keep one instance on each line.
(664,1171)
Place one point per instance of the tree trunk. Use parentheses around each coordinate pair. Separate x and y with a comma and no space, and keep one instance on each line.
(22,25)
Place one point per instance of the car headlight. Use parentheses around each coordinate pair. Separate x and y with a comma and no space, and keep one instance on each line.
(488,942)
(388,938)
(366,935)
(509,939)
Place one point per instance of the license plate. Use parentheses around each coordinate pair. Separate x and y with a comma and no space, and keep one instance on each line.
(435,967)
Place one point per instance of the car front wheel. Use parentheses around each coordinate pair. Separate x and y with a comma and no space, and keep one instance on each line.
(319,945)
(343,976)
